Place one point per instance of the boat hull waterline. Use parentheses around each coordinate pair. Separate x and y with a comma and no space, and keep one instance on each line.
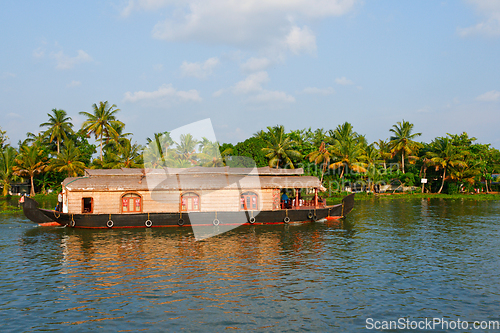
(45,217)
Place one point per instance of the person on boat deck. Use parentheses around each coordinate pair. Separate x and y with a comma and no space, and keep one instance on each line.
(21,200)
(285,200)
(59,202)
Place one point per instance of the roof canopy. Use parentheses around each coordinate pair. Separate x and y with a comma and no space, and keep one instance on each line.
(197,178)
(194,170)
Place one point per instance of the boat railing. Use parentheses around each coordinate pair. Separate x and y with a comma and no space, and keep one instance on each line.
(303,204)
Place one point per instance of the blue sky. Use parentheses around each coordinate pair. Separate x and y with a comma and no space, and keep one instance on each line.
(251,64)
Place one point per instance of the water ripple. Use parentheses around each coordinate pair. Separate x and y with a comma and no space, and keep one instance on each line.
(415,258)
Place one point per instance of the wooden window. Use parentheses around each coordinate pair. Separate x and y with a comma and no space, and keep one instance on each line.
(131,203)
(249,201)
(190,202)
(87,205)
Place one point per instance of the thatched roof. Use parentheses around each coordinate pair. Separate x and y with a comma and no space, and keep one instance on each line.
(190,179)
(265,171)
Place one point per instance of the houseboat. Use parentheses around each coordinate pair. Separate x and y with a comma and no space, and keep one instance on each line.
(128,198)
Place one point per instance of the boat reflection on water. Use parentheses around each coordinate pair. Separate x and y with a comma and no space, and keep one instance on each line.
(166,275)
(117,256)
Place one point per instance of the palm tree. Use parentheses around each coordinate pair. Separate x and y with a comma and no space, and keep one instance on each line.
(127,155)
(58,126)
(279,146)
(402,141)
(321,156)
(156,150)
(384,151)
(210,154)
(39,138)
(444,155)
(7,157)
(3,138)
(161,143)
(371,159)
(347,147)
(185,151)
(30,162)
(68,161)
(113,141)
(102,123)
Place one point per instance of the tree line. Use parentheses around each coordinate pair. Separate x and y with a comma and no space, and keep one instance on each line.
(452,163)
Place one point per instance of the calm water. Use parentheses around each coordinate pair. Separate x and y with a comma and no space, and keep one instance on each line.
(389,259)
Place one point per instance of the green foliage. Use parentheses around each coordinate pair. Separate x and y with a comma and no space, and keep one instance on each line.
(31,161)
(7,161)
(68,161)
(59,126)
(402,142)
(252,148)
(279,147)
(407,178)
(102,122)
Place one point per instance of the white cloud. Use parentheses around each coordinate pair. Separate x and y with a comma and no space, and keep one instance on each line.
(13,115)
(318,91)
(272,96)
(164,92)
(253,83)
(425,109)
(158,67)
(343,81)
(252,86)
(219,93)
(199,70)
(74,83)
(66,62)
(490,25)
(39,52)
(301,40)
(134,5)
(255,64)
(490,96)
(251,24)
(6,75)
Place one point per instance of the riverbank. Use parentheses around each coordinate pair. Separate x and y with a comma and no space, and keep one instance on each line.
(402,196)
(10,204)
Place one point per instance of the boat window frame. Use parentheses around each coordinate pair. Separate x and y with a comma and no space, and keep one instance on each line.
(250,193)
(133,194)
(91,205)
(199,201)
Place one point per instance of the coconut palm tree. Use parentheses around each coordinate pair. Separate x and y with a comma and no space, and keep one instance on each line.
(102,122)
(467,172)
(161,143)
(3,138)
(59,126)
(127,155)
(402,141)
(371,158)
(347,147)
(30,162)
(113,141)
(321,156)
(444,155)
(210,154)
(384,151)
(68,161)
(279,147)
(185,150)
(7,157)
(156,151)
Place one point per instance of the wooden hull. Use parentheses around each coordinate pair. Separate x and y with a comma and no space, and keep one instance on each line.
(153,220)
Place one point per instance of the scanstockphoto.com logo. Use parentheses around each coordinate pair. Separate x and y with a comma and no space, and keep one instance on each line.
(177,182)
(439,324)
